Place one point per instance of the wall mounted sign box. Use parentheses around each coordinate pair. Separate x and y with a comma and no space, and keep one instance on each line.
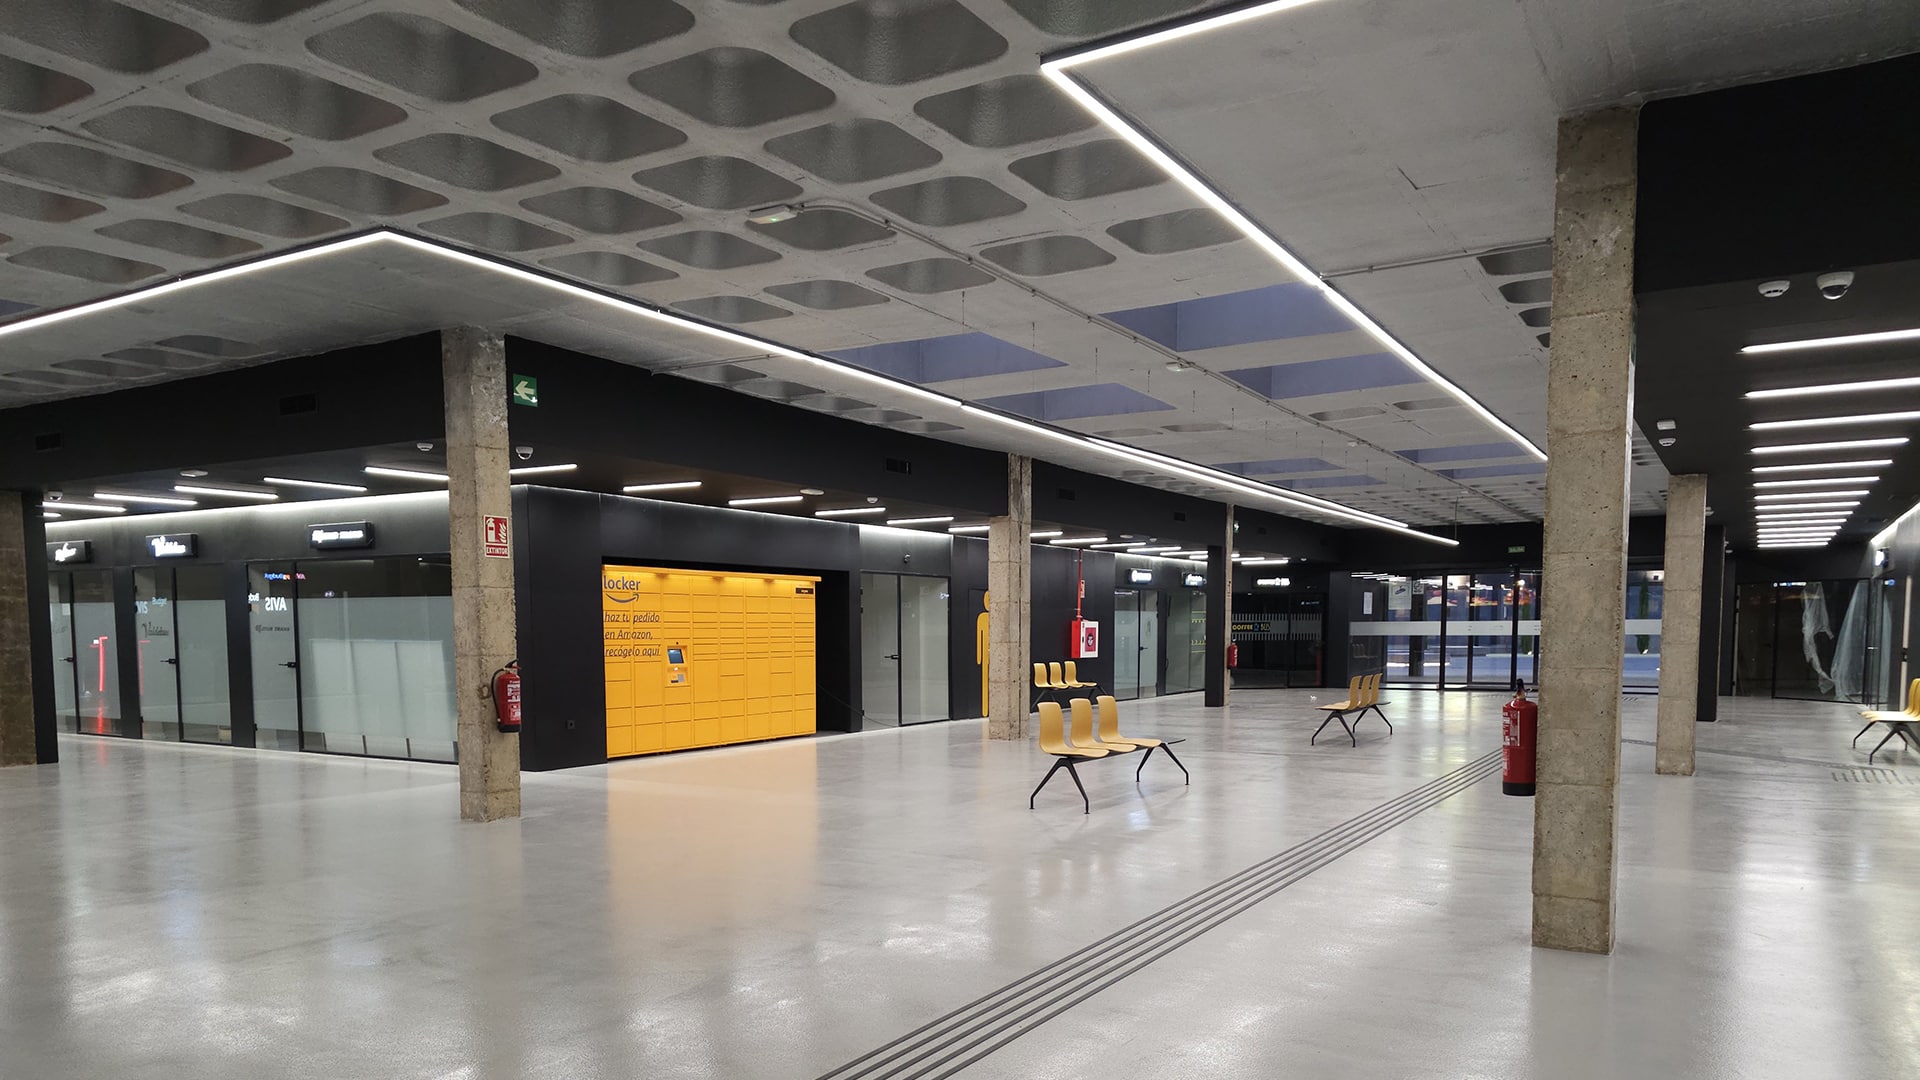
(1140,577)
(68,552)
(705,658)
(1196,581)
(343,534)
(173,545)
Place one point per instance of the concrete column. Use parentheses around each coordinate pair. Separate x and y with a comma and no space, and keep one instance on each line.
(1217,686)
(1584,558)
(1010,606)
(18,745)
(474,370)
(1680,625)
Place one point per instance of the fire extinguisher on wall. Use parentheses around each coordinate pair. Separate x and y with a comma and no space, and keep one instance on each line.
(1519,735)
(1233,654)
(505,691)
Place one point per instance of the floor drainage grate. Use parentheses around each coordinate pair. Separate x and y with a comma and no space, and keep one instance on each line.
(1869,776)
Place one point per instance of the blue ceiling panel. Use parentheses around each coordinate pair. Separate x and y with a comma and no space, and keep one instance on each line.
(1278,465)
(1270,313)
(1078,402)
(1472,452)
(1480,472)
(1330,482)
(942,359)
(1335,376)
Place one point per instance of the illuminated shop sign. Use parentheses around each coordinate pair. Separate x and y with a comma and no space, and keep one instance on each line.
(173,545)
(1195,581)
(342,534)
(1140,577)
(1273,582)
(68,552)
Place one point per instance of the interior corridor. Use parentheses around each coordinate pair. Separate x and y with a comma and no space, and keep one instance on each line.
(779,910)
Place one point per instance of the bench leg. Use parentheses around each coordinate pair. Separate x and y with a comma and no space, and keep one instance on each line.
(1057,763)
(1350,736)
(1375,710)
(1143,763)
(1856,736)
(1321,728)
(1168,750)
(1892,730)
(1085,804)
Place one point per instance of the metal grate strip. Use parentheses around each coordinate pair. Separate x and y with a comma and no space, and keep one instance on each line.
(972,1032)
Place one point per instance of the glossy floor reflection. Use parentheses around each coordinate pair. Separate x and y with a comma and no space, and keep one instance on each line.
(777,910)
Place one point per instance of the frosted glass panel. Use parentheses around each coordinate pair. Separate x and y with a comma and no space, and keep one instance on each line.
(376,657)
(200,621)
(923,649)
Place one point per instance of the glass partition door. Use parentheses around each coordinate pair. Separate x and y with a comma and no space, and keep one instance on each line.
(903,645)
(156,646)
(96,656)
(66,658)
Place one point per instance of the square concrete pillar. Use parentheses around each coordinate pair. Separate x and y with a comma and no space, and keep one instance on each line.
(1680,601)
(1584,557)
(18,744)
(1010,606)
(474,371)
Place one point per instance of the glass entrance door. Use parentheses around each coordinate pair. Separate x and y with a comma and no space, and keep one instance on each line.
(159,659)
(903,646)
(200,636)
(276,664)
(880,649)
(96,659)
(66,658)
(1136,643)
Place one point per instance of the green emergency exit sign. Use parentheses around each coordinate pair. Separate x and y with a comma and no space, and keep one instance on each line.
(526,391)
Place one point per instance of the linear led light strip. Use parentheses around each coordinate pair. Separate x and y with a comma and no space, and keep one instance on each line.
(1880,338)
(1057,70)
(744,341)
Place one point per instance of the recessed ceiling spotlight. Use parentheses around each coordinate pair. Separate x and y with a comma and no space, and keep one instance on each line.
(1178,366)
(773,215)
(193,474)
(1822,447)
(405,474)
(671,485)
(1666,425)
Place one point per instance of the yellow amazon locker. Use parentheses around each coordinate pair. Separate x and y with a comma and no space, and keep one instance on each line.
(705,658)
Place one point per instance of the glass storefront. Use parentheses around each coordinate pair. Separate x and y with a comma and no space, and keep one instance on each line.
(1814,640)
(903,640)
(1186,641)
(181,623)
(375,664)
(1478,629)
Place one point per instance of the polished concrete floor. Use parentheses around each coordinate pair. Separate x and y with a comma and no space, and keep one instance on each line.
(778,911)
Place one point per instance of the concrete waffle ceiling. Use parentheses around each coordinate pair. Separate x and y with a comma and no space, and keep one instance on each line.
(621,143)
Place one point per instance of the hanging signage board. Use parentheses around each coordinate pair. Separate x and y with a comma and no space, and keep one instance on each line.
(173,545)
(68,552)
(1140,577)
(342,534)
(1196,581)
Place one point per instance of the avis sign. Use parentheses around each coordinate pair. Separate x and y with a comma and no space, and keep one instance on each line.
(495,543)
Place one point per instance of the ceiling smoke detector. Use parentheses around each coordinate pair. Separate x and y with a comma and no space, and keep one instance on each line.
(1775,289)
(1668,441)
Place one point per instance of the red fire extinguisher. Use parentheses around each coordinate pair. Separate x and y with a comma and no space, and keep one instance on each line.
(505,691)
(1519,735)
(1233,654)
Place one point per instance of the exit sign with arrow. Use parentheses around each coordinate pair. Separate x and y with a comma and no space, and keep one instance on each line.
(526,391)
